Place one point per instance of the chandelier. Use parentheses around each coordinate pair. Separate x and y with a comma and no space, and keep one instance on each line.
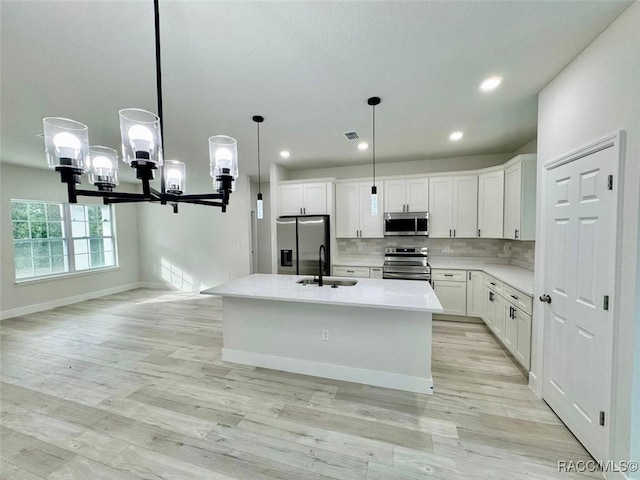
(69,153)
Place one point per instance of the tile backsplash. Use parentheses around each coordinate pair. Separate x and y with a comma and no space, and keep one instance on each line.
(520,254)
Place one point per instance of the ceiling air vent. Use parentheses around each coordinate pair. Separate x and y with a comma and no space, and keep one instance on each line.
(351,135)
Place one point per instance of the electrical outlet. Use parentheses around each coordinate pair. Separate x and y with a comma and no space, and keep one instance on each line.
(507,247)
(325,334)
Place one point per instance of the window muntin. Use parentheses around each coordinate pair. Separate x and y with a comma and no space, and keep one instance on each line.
(40,236)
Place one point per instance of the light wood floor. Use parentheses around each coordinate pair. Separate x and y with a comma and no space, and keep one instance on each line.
(132,386)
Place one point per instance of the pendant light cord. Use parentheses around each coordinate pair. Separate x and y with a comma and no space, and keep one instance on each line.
(374,146)
(156,9)
(259,184)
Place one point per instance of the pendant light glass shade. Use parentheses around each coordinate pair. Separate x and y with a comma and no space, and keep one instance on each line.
(141,138)
(223,158)
(260,207)
(374,201)
(175,177)
(103,172)
(66,144)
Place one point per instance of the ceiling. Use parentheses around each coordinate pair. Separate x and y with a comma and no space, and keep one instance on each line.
(307,67)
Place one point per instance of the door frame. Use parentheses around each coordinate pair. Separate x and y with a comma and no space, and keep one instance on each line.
(616,142)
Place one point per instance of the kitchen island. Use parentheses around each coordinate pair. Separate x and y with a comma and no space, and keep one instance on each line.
(377,332)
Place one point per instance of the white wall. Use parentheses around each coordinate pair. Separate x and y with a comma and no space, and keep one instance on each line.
(264,226)
(531,147)
(200,246)
(403,168)
(597,95)
(40,184)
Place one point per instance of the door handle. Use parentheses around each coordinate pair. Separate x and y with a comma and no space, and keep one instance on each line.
(545,298)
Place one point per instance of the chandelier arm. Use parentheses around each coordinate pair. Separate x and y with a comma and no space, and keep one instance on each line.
(206,196)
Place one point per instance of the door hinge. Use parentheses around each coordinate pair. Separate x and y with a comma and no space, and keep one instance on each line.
(605,306)
(602,418)
(610,182)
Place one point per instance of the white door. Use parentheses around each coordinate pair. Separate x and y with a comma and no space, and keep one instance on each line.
(394,197)
(347,210)
(491,205)
(512,201)
(465,206)
(440,207)
(371,226)
(580,233)
(315,199)
(418,195)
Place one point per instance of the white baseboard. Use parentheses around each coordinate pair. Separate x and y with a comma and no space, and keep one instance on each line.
(534,385)
(157,286)
(327,370)
(60,302)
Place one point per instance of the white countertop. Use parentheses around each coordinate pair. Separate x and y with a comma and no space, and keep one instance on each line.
(370,293)
(516,277)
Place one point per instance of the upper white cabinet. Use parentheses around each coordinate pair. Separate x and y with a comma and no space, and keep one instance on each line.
(520,198)
(406,195)
(304,198)
(453,206)
(491,204)
(353,211)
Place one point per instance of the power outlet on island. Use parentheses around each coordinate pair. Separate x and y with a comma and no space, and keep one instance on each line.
(325,334)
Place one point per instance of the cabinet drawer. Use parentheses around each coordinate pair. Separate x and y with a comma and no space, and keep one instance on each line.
(375,272)
(341,271)
(495,285)
(518,299)
(449,275)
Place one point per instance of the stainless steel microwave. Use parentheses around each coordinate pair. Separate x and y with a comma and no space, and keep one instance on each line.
(406,223)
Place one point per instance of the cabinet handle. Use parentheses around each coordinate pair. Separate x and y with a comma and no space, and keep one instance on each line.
(469,275)
(479,232)
(514,297)
(454,232)
(491,283)
(448,274)
(491,296)
(511,312)
(515,313)
(516,234)
(449,232)
(351,271)
(407,207)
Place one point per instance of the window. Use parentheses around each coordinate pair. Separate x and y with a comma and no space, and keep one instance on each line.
(41,233)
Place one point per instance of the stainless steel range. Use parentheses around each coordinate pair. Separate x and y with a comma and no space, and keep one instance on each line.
(406,263)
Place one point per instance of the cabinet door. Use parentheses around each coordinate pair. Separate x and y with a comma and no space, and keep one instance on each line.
(452,296)
(394,196)
(491,205)
(523,346)
(315,199)
(487,306)
(347,210)
(371,226)
(291,199)
(475,294)
(512,201)
(510,330)
(440,207)
(497,312)
(417,195)
(465,206)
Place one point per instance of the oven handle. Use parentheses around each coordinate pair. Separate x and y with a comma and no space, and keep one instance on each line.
(406,276)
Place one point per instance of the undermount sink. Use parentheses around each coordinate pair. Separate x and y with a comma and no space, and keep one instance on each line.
(330,282)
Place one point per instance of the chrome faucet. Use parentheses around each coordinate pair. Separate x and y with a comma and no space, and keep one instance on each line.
(322,250)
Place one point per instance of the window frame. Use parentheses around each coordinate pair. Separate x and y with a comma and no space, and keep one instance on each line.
(68,239)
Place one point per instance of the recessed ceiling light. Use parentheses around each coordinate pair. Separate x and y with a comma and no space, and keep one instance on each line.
(363,145)
(456,136)
(285,154)
(491,83)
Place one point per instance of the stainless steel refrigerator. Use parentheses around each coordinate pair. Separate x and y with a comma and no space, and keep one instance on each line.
(299,240)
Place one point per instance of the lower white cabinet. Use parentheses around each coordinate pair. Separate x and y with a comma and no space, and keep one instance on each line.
(508,314)
(475,294)
(375,272)
(451,289)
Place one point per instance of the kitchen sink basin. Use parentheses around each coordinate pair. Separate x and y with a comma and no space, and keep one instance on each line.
(329,282)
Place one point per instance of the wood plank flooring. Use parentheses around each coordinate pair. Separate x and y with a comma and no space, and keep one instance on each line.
(131,386)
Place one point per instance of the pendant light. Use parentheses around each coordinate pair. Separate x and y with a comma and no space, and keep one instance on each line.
(373,101)
(259,205)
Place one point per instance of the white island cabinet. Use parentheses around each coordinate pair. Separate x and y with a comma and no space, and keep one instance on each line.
(377,332)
